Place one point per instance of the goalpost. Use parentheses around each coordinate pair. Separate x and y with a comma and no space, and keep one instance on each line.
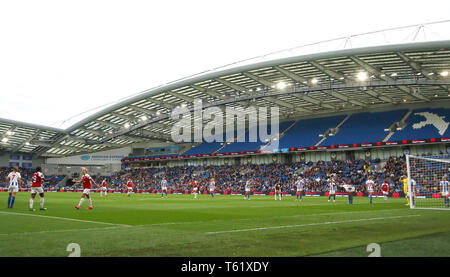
(426,181)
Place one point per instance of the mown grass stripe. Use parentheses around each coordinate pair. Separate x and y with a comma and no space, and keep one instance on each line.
(308,224)
(65,218)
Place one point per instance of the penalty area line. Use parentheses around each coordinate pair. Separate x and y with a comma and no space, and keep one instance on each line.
(65,218)
(309,224)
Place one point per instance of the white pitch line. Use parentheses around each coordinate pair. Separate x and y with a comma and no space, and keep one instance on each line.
(65,218)
(246,219)
(309,224)
(337,213)
(66,230)
(302,205)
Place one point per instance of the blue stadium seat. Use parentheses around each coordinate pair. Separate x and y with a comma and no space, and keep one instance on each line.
(306,132)
(253,146)
(436,120)
(359,128)
(365,127)
(204,148)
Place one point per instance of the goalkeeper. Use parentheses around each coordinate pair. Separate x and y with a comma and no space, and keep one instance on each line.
(405,187)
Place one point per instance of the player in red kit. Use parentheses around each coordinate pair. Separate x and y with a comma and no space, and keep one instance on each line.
(385,189)
(36,188)
(87,185)
(129,187)
(104,189)
(195,188)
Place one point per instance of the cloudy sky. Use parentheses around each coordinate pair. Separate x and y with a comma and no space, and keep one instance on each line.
(59,59)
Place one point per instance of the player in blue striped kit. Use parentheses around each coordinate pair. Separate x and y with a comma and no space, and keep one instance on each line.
(444,184)
(14,180)
(164,186)
(332,189)
(248,188)
(370,185)
(299,184)
(212,186)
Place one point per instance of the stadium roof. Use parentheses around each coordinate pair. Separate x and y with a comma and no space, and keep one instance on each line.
(348,80)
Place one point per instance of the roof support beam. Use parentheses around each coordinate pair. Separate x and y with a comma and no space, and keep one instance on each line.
(291,75)
(231,85)
(302,96)
(329,72)
(58,140)
(35,135)
(131,137)
(94,132)
(124,117)
(336,75)
(145,111)
(314,101)
(109,124)
(273,99)
(150,136)
(67,147)
(380,96)
(162,103)
(417,67)
(405,89)
(346,99)
(259,79)
(413,64)
(373,70)
(182,97)
(208,91)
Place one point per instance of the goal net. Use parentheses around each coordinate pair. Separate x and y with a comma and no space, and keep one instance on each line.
(428,179)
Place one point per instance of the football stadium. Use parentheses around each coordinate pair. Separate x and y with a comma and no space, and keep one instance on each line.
(339,148)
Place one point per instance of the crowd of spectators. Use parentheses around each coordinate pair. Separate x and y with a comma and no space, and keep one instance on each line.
(27,177)
(232,178)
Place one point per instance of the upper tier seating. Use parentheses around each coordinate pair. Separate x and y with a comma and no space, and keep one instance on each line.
(424,124)
(203,148)
(358,128)
(365,127)
(254,146)
(306,132)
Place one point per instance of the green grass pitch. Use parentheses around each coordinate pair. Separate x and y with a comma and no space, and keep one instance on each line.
(226,226)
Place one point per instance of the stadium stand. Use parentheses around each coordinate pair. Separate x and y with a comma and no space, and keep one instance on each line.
(232,177)
(424,124)
(364,127)
(358,128)
(203,148)
(27,176)
(306,132)
(254,146)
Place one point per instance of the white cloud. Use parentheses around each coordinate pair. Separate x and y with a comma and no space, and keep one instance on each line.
(60,58)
